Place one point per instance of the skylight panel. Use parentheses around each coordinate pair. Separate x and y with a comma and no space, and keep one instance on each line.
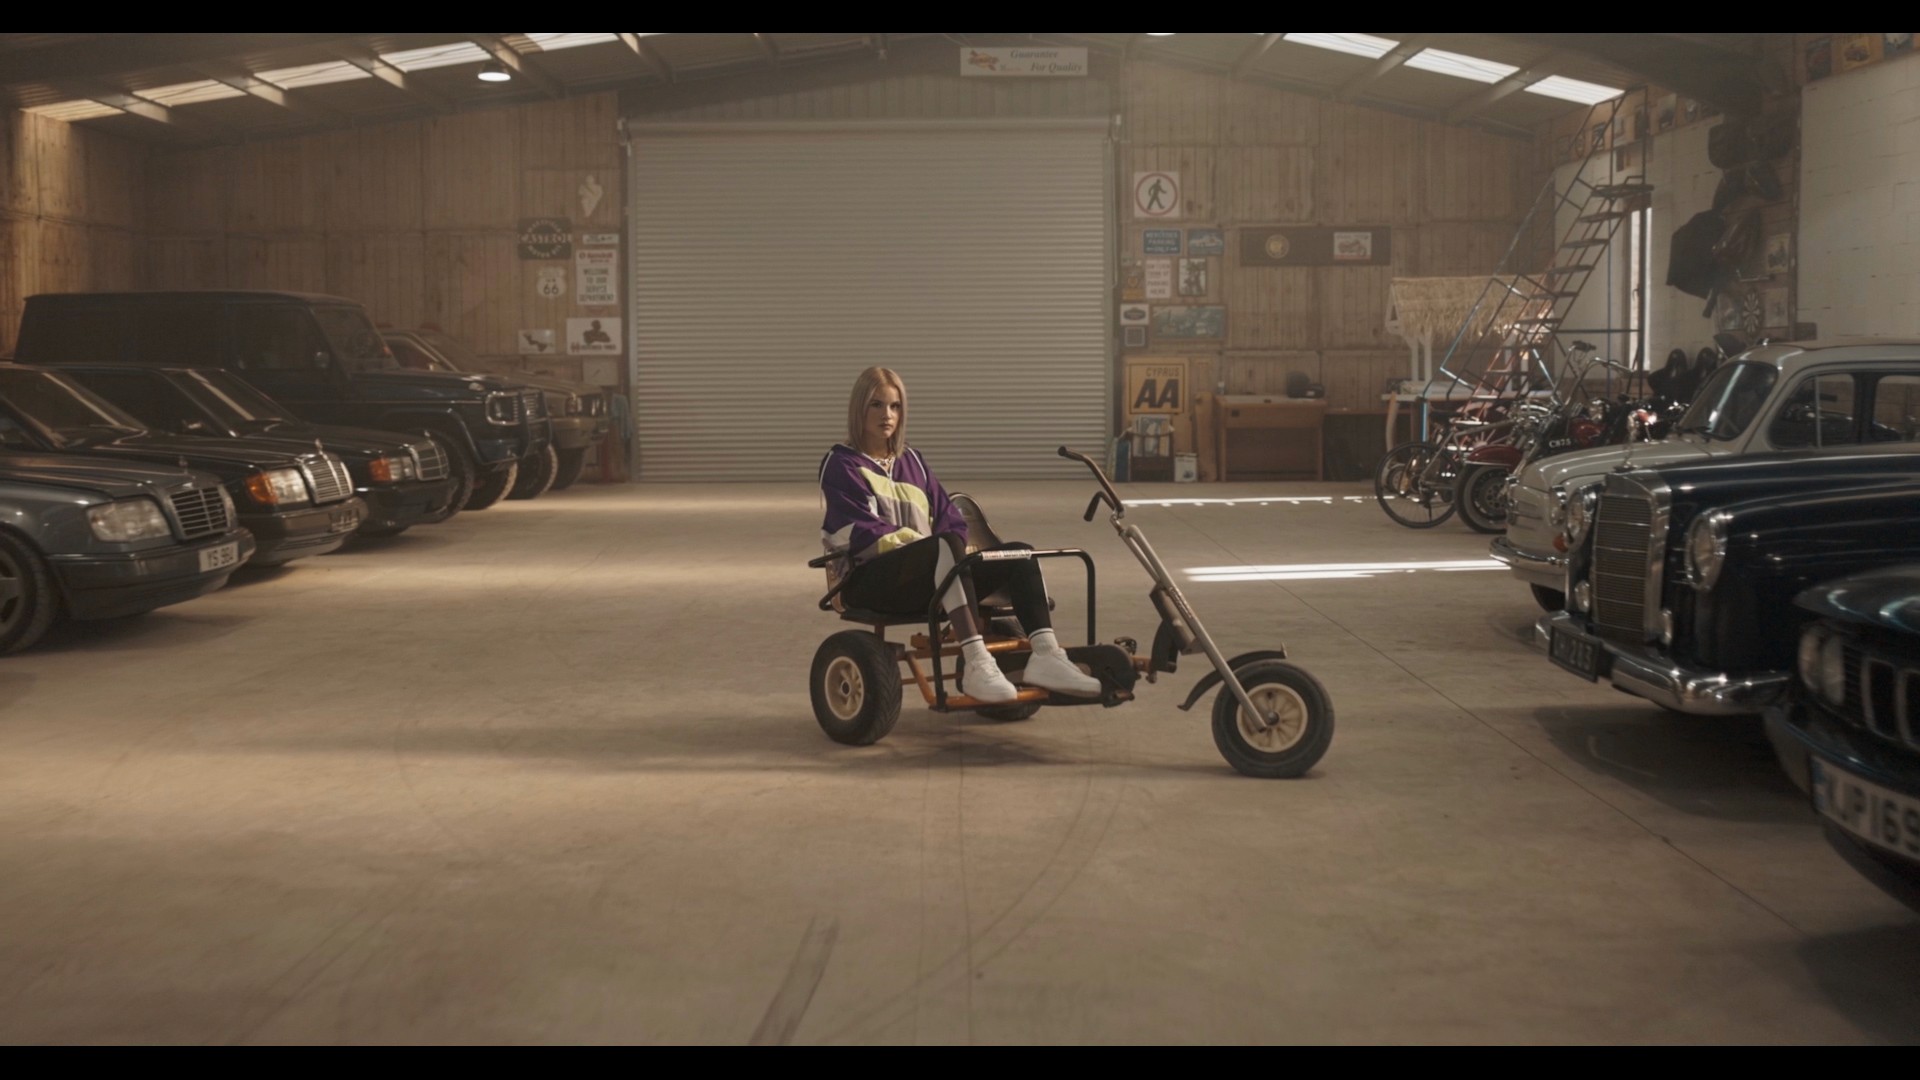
(556,42)
(190,93)
(72,111)
(294,78)
(1461,66)
(1586,93)
(437,56)
(1373,48)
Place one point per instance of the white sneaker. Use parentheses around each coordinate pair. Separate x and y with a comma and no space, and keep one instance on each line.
(1053,671)
(987,683)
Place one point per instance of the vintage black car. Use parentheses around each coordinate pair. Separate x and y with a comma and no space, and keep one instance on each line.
(403,480)
(1849,734)
(93,538)
(318,355)
(581,413)
(295,504)
(1680,580)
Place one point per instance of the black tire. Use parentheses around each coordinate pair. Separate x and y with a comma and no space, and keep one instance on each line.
(461,467)
(1414,484)
(1296,743)
(855,686)
(1011,663)
(536,475)
(1481,497)
(1550,600)
(492,487)
(572,464)
(382,532)
(28,599)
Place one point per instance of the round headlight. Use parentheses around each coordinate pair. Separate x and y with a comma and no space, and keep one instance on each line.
(1580,513)
(1833,671)
(1706,550)
(128,520)
(1810,644)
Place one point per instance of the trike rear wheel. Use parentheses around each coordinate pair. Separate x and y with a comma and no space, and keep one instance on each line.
(855,687)
(1299,738)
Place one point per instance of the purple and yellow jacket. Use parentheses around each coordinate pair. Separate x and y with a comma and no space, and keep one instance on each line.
(871,511)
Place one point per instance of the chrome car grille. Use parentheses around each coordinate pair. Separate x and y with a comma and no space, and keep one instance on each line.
(429,460)
(201,512)
(596,404)
(1622,539)
(327,475)
(1883,695)
(533,404)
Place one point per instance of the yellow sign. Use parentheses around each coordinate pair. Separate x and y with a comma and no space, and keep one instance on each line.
(1156,388)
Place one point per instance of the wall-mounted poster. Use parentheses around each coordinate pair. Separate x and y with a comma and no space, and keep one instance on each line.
(1193,277)
(1189,323)
(1134,315)
(1206,242)
(1160,241)
(546,238)
(586,337)
(1666,113)
(1156,195)
(1819,56)
(1133,279)
(598,277)
(1776,300)
(1023,61)
(1156,387)
(535,342)
(1159,279)
(1856,51)
(1892,45)
(1779,255)
(1304,245)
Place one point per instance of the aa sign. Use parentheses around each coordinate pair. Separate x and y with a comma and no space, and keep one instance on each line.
(1156,388)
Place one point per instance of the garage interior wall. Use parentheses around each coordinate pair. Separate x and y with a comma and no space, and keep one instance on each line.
(418,220)
(70,212)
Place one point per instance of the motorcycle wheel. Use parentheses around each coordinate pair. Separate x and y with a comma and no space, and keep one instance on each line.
(1414,484)
(1482,497)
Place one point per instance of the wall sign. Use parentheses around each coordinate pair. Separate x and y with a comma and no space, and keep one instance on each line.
(587,337)
(551,282)
(590,193)
(1189,323)
(535,342)
(546,238)
(1132,315)
(1159,279)
(1193,277)
(1156,387)
(600,239)
(598,277)
(1022,62)
(1156,195)
(1161,241)
(1206,242)
(1133,279)
(1310,246)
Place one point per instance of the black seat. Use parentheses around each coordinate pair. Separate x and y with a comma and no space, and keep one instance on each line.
(980,537)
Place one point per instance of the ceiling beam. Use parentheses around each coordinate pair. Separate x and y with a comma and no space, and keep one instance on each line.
(107,56)
(767,46)
(1253,53)
(243,80)
(1391,60)
(649,56)
(522,67)
(1483,99)
(367,60)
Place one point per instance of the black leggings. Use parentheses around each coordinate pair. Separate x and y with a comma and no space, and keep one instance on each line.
(902,581)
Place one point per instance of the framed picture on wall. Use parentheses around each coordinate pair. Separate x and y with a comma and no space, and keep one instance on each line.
(1776,308)
(1892,45)
(1779,256)
(1858,50)
(1193,277)
(1819,58)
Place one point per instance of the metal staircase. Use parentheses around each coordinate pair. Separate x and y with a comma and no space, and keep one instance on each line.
(1503,346)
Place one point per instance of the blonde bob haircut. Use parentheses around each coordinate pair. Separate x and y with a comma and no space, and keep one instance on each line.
(865,389)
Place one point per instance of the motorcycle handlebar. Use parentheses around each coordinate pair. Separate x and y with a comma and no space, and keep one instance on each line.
(1106,487)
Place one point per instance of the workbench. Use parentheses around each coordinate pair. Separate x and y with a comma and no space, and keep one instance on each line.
(1270,436)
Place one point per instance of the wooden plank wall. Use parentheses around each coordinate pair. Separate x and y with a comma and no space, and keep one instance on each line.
(70,215)
(417,220)
(1251,156)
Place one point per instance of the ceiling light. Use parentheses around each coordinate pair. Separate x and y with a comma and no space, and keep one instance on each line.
(494,73)
(1373,48)
(1159,35)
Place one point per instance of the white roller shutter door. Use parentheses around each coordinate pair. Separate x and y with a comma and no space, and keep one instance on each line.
(772,263)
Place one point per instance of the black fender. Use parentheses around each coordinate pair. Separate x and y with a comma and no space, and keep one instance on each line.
(1213,678)
(445,422)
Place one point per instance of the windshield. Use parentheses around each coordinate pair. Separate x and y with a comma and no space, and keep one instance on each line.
(66,414)
(458,355)
(1729,402)
(357,344)
(237,405)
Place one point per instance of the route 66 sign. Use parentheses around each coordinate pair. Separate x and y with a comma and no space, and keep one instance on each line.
(551,283)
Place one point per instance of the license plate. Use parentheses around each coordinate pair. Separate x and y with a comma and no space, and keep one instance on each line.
(1577,653)
(1885,819)
(221,557)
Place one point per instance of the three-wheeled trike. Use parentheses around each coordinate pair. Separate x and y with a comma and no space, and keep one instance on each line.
(1271,718)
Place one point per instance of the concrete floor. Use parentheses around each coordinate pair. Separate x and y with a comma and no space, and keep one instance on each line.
(548,773)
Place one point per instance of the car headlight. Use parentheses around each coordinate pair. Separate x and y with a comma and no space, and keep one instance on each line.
(392,469)
(1706,550)
(1811,643)
(1833,670)
(128,520)
(575,406)
(1580,513)
(1557,506)
(278,487)
(503,408)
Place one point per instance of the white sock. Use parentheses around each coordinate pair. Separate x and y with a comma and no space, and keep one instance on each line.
(974,649)
(1043,642)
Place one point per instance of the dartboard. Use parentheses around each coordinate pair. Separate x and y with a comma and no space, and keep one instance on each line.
(1750,313)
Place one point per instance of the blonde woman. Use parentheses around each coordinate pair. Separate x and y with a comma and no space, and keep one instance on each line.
(901,535)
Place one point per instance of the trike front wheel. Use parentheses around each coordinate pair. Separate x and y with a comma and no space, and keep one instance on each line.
(1300,735)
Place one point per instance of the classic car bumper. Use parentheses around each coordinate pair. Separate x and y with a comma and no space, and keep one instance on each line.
(1546,570)
(1647,673)
(500,446)
(576,432)
(1802,734)
(403,505)
(297,534)
(110,586)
